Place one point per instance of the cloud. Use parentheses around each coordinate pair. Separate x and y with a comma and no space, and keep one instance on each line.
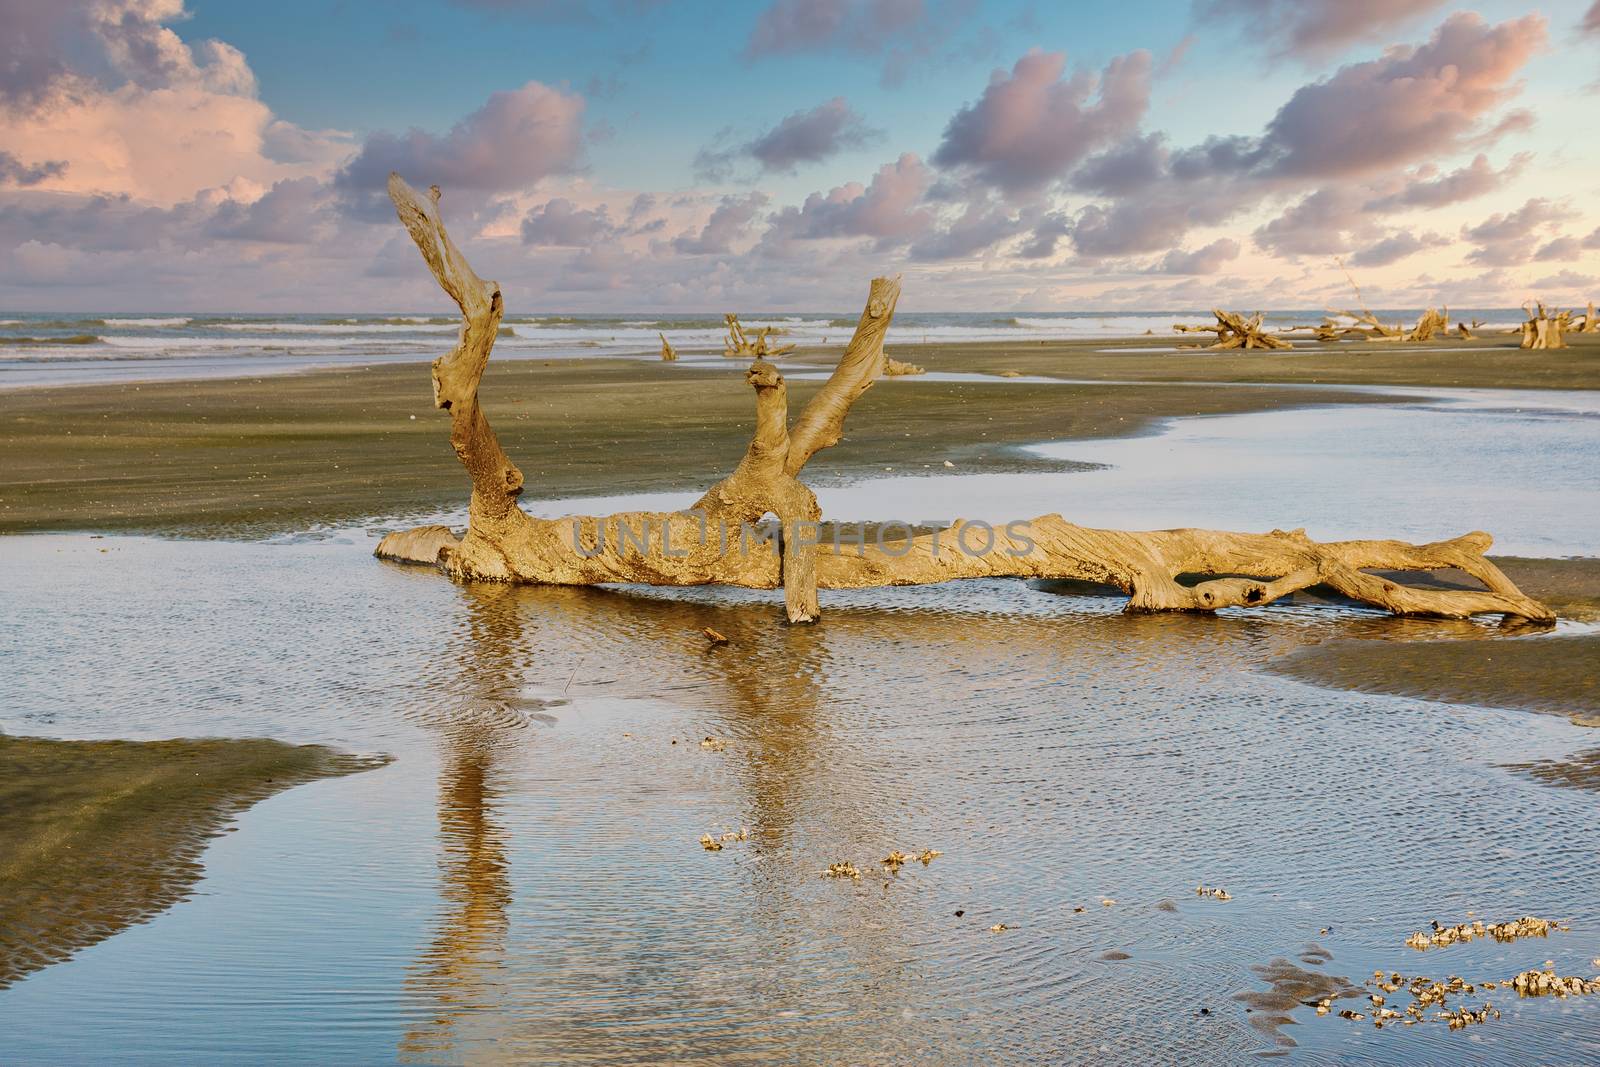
(811,136)
(559,221)
(1591,19)
(789,27)
(1031,126)
(287,214)
(803,137)
(127,107)
(729,222)
(516,138)
(1508,238)
(889,208)
(1562,248)
(1396,247)
(1575,284)
(1422,190)
(975,230)
(1410,103)
(1593,240)
(1317,224)
(15,172)
(1047,234)
(1314,28)
(1208,260)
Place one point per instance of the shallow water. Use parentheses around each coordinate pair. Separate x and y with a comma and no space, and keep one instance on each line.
(525,882)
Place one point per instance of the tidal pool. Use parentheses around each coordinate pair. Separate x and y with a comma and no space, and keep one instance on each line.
(524,882)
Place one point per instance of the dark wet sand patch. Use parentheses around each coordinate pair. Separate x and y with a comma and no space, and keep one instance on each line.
(96,836)
(1580,772)
(1492,362)
(1289,987)
(1558,675)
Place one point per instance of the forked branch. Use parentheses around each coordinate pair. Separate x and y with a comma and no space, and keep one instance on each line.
(711,544)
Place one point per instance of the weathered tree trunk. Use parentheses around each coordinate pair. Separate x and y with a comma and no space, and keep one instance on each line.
(722,538)
(668,353)
(1543,330)
(1590,324)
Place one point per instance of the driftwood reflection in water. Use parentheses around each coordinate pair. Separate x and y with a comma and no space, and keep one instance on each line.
(461,972)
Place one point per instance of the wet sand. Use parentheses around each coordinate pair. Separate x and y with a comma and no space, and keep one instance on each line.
(1484,363)
(251,457)
(1556,673)
(99,835)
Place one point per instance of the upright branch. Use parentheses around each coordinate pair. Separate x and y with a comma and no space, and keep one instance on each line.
(504,544)
(1590,324)
(496,481)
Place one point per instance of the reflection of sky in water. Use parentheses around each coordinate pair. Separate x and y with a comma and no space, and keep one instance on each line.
(1521,465)
(524,884)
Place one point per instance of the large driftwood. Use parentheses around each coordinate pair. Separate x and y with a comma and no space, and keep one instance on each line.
(1234,331)
(1544,330)
(718,542)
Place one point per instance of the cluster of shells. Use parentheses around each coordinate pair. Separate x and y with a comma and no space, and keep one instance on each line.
(1527,926)
(891,863)
(1547,983)
(1429,993)
(714,843)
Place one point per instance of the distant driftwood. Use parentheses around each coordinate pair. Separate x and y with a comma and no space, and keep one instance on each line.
(738,345)
(1544,330)
(505,544)
(668,353)
(1234,331)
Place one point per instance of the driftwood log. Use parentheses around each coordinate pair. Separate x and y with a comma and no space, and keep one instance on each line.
(722,539)
(668,353)
(738,344)
(1590,324)
(1234,331)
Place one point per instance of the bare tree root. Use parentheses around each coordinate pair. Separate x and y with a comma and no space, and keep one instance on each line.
(723,539)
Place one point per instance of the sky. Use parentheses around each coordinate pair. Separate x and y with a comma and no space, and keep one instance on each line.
(655,155)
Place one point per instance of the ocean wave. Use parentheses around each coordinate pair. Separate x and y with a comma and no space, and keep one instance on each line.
(28,342)
(168,323)
(337,328)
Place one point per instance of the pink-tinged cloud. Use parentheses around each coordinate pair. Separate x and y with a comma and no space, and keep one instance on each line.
(1209,259)
(562,223)
(1409,104)
(1312,28)
(1317,225)
(729,223)
(1508,238)
(1591,19)
(1031,126)
(516,138)
(1426,188)
(889,209)
(1395,247)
